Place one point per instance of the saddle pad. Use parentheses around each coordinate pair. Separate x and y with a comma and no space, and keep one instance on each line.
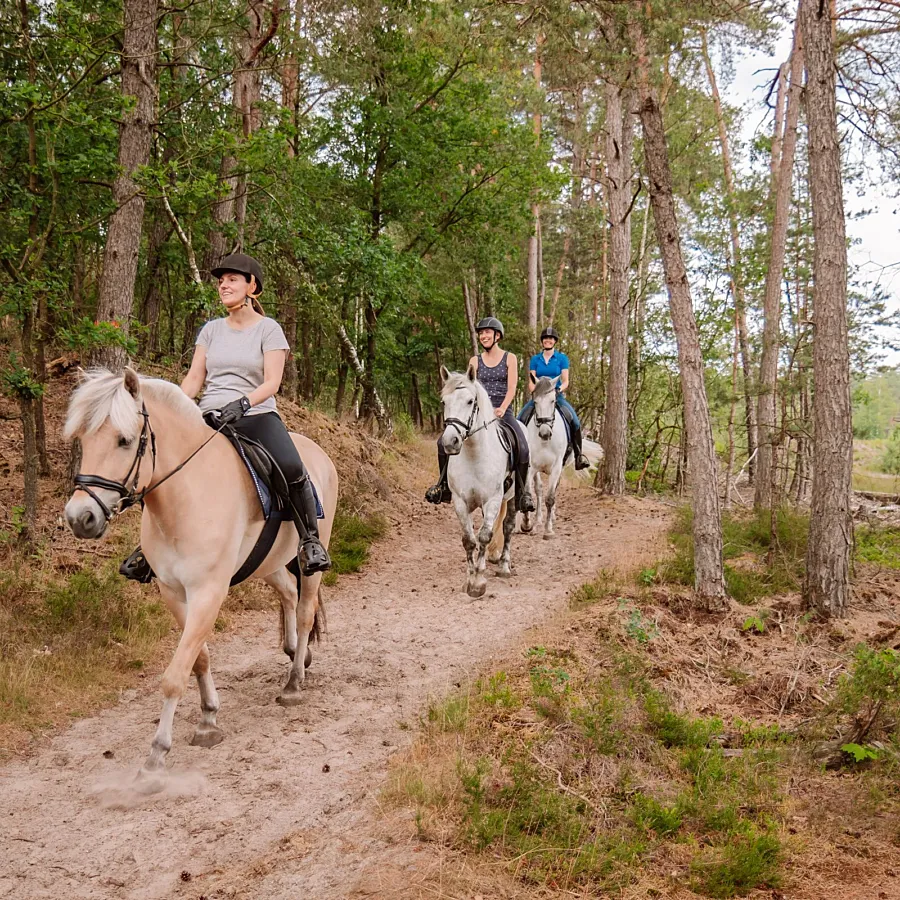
(264,492)
(509,438)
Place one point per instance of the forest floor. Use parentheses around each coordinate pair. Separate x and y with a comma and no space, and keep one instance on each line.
(281,804)
(368,789)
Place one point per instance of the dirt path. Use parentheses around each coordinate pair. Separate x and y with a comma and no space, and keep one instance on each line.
(271,811)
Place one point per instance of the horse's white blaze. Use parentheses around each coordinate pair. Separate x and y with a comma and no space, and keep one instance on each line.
(476,471)
(196,529)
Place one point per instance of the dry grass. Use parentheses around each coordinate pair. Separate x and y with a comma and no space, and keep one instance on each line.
(644,749)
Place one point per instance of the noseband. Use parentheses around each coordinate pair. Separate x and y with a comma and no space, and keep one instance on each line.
(128,494)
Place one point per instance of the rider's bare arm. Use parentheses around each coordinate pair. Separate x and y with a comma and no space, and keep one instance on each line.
(273,369)
(511,384)
(564,379)
(196,376)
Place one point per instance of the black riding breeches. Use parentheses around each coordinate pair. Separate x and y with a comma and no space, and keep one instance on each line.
(270,431)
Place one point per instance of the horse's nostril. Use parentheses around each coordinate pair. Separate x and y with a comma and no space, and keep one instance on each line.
(87,519)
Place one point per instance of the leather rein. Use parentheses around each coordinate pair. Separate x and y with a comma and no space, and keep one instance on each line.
(129,494)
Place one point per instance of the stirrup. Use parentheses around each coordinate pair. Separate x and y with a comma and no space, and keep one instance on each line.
(313,557)
(137,568)
(438,494)
(526,503)
(582,462)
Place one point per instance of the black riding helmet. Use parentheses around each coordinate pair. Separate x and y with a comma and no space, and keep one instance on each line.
(243,265)
(490,322)
(550,333)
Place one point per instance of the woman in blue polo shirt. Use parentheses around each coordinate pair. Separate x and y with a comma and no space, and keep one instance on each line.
(551,363)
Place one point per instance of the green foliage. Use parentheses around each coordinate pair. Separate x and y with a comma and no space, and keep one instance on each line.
(870,692)
(747,862)
(351,537)
(20,381)
(766,560)
(878,545)
(860,752)
(755,623)
(89,335)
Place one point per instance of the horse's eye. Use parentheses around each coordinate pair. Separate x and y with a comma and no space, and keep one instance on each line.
(125,441)
(471,401)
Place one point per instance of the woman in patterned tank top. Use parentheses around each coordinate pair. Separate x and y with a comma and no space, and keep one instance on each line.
(498,371)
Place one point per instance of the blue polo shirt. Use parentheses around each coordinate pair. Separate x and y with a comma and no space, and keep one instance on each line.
(558,362)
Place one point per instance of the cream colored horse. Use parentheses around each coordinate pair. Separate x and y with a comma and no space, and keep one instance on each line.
(198,526)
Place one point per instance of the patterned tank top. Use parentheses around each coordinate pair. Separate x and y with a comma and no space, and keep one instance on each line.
(495,379)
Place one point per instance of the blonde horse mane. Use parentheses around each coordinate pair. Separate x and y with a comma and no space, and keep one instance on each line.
(102,396)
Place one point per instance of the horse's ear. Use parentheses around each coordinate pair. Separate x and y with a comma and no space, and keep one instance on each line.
(531,378)
(445,374)
(472,372)
(555,381)
(132,383)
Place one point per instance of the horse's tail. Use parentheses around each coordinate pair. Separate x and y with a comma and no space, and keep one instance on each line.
(320,620)
(593,451)
(495,548)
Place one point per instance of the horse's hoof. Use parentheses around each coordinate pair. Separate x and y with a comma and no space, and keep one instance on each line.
(207,736)
(289,698)
(289,653)
(493,560)
(307,660)
(150,781)
(549,535)
(477,591)
(504,573)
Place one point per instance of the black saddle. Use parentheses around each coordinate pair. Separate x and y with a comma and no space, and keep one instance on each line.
(509,439)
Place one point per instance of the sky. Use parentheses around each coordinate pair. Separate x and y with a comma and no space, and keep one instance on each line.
(876,237)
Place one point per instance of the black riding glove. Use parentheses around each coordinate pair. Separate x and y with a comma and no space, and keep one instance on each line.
(233,411)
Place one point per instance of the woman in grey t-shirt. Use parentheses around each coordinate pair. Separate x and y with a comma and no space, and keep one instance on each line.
(238,363)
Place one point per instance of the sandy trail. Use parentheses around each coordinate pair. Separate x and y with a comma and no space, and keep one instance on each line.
(270,812)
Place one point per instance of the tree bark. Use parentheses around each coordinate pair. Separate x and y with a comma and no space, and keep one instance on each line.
(782,170)
(534,248)
(619,139)
(120,257)
(471,315)
(709,581)
(831,526)
(737,273)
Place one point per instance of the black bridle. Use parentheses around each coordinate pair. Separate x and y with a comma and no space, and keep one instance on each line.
(129,494)
(465,428)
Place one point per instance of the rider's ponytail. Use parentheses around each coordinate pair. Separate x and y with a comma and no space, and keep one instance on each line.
(256,304)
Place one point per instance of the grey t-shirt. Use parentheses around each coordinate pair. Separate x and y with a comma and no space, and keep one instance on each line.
(234,361)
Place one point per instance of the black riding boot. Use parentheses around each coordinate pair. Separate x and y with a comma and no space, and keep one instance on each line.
(581,461)
(313,555)
(440,492)
(524,500)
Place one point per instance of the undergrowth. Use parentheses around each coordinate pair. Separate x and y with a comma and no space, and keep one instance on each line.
(351,538)
(580,774)
(766,557)
(69,642)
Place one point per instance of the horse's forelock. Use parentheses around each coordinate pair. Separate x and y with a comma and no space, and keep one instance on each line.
(544,386)
(101,396)
(459,380)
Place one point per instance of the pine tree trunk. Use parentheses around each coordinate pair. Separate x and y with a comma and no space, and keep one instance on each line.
(30,465)
(782,170)
(534,247)
(737,274)
(709,582)
(619,139)
(123,243)
(831,526)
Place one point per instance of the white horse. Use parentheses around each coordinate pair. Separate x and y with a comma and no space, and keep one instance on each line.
(477,468)
(547,446)
(197,528)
